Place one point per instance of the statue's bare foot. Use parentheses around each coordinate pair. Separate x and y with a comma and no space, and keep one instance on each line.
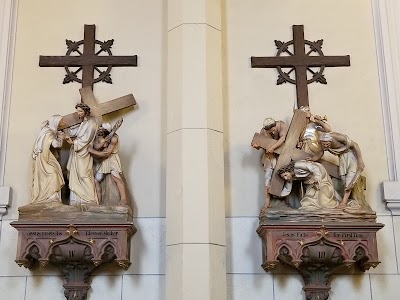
(342,205)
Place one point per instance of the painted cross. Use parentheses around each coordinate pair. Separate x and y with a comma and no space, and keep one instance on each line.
(98,110)
(88,61)
(300,62)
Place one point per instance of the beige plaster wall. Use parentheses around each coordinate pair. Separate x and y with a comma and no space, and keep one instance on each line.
(351,99)
(37,93)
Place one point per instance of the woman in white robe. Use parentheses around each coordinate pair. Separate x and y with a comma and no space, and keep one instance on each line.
(47,175)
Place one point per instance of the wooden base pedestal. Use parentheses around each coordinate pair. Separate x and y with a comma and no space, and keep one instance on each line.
(317,250)
(76,249)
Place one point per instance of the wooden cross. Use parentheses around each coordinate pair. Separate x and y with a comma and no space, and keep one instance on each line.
(301,62)
(289,152)
(296,127)
(98,110)
(265,142)
(88,61)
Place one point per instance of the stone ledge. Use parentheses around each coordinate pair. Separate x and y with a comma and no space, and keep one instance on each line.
(289,215)
(391,194)
(58,212)
(5,199)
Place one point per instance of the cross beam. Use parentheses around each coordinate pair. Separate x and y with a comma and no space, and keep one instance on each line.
(288,152)
(89,60)
(265,142)
(296,127)
(98,110)
(300,61)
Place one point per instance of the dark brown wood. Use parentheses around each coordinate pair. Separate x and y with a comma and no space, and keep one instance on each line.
(98,110)
(297,125)
(117,104)
(318,250)
(293,61)
(266,142)
(89,60)
(301,62)
(77,61)
(88,52)
(70,120)
(76,249)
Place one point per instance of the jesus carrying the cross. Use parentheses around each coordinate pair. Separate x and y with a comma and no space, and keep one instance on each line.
(80,162)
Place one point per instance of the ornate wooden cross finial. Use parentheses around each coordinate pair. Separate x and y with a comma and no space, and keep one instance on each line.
(300,62)
(88,60)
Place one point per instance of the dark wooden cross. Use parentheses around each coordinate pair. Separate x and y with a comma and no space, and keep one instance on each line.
(98,110)
(301,61)
(89,60)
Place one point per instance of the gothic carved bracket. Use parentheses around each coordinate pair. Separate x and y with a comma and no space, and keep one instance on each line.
(317,251)
(76,249)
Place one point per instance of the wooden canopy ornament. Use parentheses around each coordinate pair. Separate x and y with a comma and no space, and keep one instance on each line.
(76,249)
(318,250)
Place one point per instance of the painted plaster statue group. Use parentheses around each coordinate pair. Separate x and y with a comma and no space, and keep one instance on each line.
(307,183)
(93,156)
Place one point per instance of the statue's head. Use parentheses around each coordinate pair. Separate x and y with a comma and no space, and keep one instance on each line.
(55,121)
(326,140)
(287,172)
(104,129)
(269,123)
(83,110)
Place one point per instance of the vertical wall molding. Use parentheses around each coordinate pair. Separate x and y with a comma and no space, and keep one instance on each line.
(387,32)
(8,23)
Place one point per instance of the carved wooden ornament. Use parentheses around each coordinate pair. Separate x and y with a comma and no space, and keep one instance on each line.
(316,251)
(300,62)
(76,249)
(88,60)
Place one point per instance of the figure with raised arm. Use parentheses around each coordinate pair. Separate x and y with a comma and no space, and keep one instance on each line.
(277,131)
(106,149)
(309,138)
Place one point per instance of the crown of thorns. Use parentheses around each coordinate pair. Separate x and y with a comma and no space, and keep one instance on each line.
(84,107)
(288,168)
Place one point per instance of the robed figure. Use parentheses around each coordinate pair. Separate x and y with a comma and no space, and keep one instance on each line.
(319,191)
(47,175)
(80,162)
